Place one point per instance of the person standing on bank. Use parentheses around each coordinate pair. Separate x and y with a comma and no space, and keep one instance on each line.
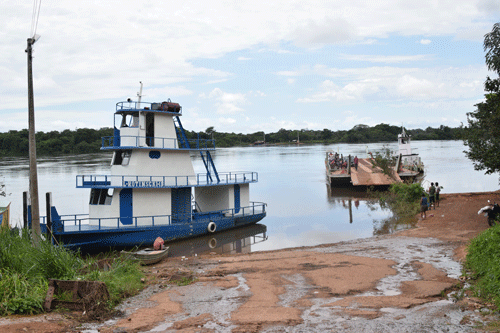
(356,162)
(432,193)
(423,206)
(438,190)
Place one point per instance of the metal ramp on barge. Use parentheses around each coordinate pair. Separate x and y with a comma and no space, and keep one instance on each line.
(366,175)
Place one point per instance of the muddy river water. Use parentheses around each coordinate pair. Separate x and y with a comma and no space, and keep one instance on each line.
(302,209)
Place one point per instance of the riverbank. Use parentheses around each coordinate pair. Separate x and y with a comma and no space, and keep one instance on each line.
(393,283)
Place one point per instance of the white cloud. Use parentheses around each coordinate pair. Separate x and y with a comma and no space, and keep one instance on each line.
(386,58)
(425,41)
(216,81)
(227,103)
(49,120)
(259,93)
(227,121)
(319,32)
(354,120)
(99,51)
(409,86)
(394,82)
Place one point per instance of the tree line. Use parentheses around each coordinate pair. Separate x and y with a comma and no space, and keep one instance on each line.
(86,140)
(357,134)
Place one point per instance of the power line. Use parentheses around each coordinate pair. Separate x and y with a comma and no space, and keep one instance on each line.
(34,17)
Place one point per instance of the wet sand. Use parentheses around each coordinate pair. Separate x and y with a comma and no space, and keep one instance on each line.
(393,283)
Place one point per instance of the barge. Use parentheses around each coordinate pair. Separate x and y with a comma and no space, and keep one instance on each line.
(347,171)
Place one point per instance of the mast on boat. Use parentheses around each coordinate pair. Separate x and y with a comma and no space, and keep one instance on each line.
(139,95)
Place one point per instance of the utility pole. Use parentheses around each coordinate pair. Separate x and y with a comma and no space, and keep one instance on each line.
(35,212)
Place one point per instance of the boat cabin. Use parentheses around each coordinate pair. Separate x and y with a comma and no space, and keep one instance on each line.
(152,174)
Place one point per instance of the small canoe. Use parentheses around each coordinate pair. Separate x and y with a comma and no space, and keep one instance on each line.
(148,256)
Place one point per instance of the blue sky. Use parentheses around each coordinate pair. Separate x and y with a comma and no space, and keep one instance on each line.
(248,66)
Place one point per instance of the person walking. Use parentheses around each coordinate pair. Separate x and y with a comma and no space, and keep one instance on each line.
(423,206)
(432,193)
(438,190)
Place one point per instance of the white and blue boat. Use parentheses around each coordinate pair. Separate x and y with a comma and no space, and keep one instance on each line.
(152,189)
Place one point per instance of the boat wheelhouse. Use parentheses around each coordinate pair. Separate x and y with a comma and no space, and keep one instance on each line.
(410,160)
(152,189)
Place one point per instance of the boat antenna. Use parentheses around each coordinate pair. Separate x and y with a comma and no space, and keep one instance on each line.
(139,95)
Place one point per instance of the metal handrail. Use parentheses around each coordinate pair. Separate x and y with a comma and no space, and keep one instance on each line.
(149,221)
(142,106)
(201,179)
(108,142)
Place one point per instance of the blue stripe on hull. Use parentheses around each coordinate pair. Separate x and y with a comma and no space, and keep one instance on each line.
(145,236)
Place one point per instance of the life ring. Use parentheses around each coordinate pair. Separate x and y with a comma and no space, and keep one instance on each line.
(212,243)
(211,227)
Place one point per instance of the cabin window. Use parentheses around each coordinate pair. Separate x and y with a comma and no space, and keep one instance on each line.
(126,157)
(130,120)
(154,154)
(122,157)
(101,196)
(135,120)
(117,158)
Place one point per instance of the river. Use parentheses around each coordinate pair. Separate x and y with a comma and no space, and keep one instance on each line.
(302,209)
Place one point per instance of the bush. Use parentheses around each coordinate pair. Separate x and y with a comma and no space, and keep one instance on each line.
(25,271)
(402,198)
(408,193)
(483,260)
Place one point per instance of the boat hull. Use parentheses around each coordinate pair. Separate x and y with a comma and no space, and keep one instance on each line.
(99,240)
(148,256)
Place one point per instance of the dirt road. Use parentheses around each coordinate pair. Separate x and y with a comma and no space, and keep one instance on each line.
(396,283)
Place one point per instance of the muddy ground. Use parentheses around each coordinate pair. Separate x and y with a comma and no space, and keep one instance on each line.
(405,282)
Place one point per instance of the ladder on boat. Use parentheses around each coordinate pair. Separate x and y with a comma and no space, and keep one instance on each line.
(207,158)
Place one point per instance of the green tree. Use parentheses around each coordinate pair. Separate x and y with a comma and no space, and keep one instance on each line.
(482,135)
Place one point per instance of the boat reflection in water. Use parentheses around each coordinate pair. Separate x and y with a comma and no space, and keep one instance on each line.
(232,241)
(361,205)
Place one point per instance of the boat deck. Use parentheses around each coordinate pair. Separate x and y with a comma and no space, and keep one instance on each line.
(366,175)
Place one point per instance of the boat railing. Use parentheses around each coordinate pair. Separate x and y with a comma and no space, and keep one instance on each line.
(110,142)
(255,208)
(202,179)
(145,106)
(229,178)
(82,222)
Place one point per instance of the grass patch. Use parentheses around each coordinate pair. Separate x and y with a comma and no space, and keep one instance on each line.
(483,264)
(184,281)
(123,278)
(25,271)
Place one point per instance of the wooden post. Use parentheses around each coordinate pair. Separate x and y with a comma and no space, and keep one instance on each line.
(48,205)
(349,165)
(25,210)
(35,212)
(350,211)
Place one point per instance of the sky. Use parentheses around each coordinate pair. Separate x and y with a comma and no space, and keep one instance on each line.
(247,66)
